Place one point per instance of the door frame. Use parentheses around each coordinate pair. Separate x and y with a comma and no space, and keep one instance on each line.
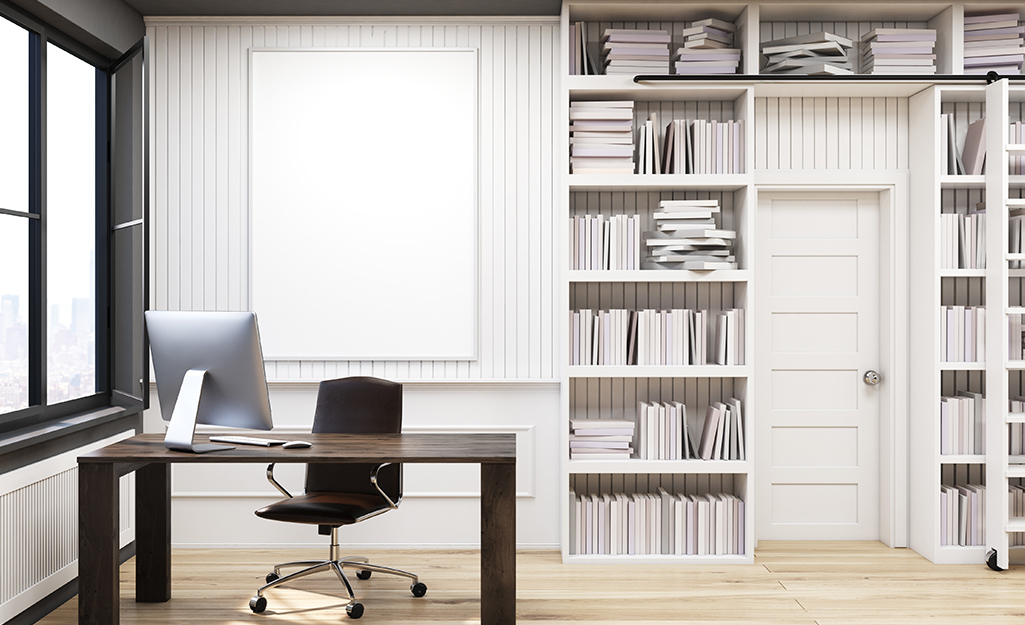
(894,351)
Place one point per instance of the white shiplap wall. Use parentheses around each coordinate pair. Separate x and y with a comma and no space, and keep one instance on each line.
(831,133)
(200,246)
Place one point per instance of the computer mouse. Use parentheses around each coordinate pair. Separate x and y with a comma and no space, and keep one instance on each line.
(296,445)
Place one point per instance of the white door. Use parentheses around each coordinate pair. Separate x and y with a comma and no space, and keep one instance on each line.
(816,334)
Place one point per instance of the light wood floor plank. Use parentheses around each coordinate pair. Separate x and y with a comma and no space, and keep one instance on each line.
(791,583)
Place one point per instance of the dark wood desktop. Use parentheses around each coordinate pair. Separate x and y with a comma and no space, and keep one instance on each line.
(98,473)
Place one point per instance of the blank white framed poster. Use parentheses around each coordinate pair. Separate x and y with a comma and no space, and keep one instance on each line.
(363,199)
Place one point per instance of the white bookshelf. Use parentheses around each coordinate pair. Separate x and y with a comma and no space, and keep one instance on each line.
(609,391)
(615,391)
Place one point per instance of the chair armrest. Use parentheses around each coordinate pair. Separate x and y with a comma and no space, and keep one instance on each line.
(274,482)
(373,480)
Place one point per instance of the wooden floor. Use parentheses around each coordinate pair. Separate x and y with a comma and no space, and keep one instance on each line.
(791,583)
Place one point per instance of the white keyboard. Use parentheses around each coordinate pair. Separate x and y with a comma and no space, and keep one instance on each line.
(246,440)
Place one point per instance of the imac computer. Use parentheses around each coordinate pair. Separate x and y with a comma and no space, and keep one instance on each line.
(209,369)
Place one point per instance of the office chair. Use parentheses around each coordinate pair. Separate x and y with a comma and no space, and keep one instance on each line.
(343,494)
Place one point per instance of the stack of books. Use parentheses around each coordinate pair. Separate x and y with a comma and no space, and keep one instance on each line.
(686,237)
(708,48)
(962,420)
(600,439)
(661,523)
(815,54)
(635,51)
(899,51)
(993,43)
(601,137)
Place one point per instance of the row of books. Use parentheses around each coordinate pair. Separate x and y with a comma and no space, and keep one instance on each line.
(1016,162)
(993,43)
(1016,437)
(963,334)
(1016,337)
(962,515)
(601,136)
(899,51)
(665,433)
(1016,236)
(814,54)
(657,337)
(708,48)
(659,523)
(686,237)
(962,424)
(605,242)
(691,147)
(971,158)
(601,439)
(963,240)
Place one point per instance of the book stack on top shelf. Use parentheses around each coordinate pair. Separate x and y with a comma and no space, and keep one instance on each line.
(601,439)
(635,51)
(899,51)
(708,48)
(993,43)
(815,54)
(601,137)
(687,237)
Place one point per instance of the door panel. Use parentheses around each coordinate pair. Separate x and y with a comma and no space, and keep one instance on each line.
(817,331)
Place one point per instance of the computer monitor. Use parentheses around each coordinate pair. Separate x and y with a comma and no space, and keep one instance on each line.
(209,369)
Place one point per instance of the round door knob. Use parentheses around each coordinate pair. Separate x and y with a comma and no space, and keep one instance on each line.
(872,377)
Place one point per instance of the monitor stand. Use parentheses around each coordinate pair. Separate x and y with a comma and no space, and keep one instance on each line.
(182,427)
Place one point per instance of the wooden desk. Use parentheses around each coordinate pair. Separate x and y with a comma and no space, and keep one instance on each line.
(98,473)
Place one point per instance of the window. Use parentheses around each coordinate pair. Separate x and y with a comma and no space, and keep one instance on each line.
(54,224)
(70,224)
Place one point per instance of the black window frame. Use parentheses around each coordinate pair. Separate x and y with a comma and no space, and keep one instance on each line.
(38,410)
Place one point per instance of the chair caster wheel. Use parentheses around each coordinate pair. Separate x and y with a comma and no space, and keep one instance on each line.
(991,560)
(258,604)
(363,574)
(418,589)
(354,610)
(272,576)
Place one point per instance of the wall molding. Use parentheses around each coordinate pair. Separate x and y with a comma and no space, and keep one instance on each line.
(346,20)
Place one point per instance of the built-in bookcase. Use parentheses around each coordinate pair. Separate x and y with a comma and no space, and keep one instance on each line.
(615,391)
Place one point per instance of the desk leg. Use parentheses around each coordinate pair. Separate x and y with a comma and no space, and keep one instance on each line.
(498,544)
(98,531)
(153,533)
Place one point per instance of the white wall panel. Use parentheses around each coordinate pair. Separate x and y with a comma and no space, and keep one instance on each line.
(201,223)
(831,133)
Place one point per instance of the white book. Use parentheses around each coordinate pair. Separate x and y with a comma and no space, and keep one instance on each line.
(708,431)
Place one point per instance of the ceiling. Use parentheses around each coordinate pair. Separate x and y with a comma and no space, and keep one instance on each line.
(345,7)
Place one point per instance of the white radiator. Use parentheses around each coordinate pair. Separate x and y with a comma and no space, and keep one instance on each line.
(39,527)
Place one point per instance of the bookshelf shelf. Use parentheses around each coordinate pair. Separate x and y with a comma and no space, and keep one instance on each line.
(641,276)
(962,459)
(962,273)
(962,366)
(634,465)
(644,371)
(658,182)
(962,182)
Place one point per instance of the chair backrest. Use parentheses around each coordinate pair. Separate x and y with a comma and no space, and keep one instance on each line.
(356,405)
